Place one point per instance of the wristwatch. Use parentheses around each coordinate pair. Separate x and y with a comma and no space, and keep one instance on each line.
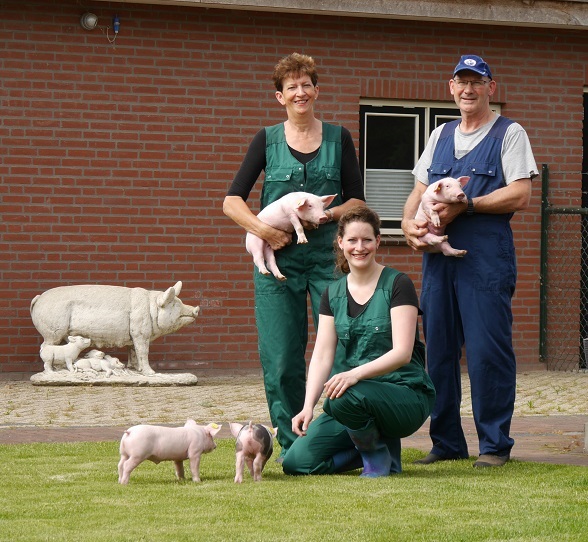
(470,210)
(329,214)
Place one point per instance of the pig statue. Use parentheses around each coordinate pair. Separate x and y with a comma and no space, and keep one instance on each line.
(285,214)
(63,353)
(254,446)
(111,316)
(446,190)
(157,444)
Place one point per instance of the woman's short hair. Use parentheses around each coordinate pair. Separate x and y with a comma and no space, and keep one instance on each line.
(295,65)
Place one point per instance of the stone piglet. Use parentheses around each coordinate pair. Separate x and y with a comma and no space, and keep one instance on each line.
(286,214)
(158,443)
(254,446)
(111,316)
(95,360)
(446,190)
(63,353)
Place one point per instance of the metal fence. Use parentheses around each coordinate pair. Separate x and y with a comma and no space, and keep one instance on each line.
(564,284)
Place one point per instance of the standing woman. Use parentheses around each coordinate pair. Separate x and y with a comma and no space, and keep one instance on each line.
(301,154)
(382,392)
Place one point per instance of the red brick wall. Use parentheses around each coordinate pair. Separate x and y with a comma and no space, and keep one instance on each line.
(115,158)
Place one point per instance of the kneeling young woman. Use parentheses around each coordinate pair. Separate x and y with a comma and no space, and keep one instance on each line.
(381,392)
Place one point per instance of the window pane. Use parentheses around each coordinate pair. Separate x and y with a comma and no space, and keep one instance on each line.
(386,192)
(442,119)
(439,116)
(390,142)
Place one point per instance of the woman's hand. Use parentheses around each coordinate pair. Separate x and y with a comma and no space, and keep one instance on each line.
(309,225)
(236,209)
(336,385)
(301,421)
(275,238)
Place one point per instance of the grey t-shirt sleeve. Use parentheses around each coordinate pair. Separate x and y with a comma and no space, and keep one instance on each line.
(421,170)
(518,161)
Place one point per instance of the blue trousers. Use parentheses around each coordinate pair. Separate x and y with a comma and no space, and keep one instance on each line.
(467,302)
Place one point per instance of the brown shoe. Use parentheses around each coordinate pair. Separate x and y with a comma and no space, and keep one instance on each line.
(428,460)
(492,460)
(433,458)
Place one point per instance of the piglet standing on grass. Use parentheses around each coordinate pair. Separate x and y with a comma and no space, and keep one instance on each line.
(254,446)
(157,443)
(446,190)
(286,214)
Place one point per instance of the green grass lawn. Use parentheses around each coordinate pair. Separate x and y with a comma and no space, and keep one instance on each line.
(70,492)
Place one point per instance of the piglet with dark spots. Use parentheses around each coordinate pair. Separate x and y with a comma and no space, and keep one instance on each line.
(254,446)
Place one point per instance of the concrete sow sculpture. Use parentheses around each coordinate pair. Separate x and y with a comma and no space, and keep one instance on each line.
(110,316)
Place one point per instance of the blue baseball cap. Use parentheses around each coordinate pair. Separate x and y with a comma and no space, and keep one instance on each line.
(473,63)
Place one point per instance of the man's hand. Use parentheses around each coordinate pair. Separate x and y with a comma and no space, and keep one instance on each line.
(413,229)
(449,211)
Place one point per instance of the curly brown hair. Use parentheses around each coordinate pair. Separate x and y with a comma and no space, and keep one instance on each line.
(355,214)
(294,65)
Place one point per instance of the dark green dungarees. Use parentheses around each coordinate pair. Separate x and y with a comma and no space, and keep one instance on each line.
(399,401)
(281,307)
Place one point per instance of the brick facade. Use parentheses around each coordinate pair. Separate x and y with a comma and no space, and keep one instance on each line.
(115,158)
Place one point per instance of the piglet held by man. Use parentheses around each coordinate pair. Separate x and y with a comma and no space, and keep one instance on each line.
(446,190)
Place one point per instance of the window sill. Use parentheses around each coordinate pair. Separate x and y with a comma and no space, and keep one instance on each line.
(393,240)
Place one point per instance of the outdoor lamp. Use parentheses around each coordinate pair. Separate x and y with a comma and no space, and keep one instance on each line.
(89,21)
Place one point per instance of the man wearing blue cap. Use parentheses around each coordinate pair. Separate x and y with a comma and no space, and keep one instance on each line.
(468,300)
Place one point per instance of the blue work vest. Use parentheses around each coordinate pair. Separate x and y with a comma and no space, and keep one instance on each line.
(488,238)
(482,164)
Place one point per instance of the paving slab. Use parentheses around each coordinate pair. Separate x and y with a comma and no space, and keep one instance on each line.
(543,439)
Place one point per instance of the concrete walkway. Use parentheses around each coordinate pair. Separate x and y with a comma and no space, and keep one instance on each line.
(551,412)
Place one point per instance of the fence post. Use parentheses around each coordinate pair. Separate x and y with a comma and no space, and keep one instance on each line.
(543,272)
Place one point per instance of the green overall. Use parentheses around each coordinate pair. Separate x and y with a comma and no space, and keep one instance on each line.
(281,310)
(399,402)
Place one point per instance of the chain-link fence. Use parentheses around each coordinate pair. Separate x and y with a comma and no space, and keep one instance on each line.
(564,284)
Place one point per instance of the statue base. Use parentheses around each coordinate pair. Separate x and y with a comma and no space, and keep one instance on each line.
(125,377)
